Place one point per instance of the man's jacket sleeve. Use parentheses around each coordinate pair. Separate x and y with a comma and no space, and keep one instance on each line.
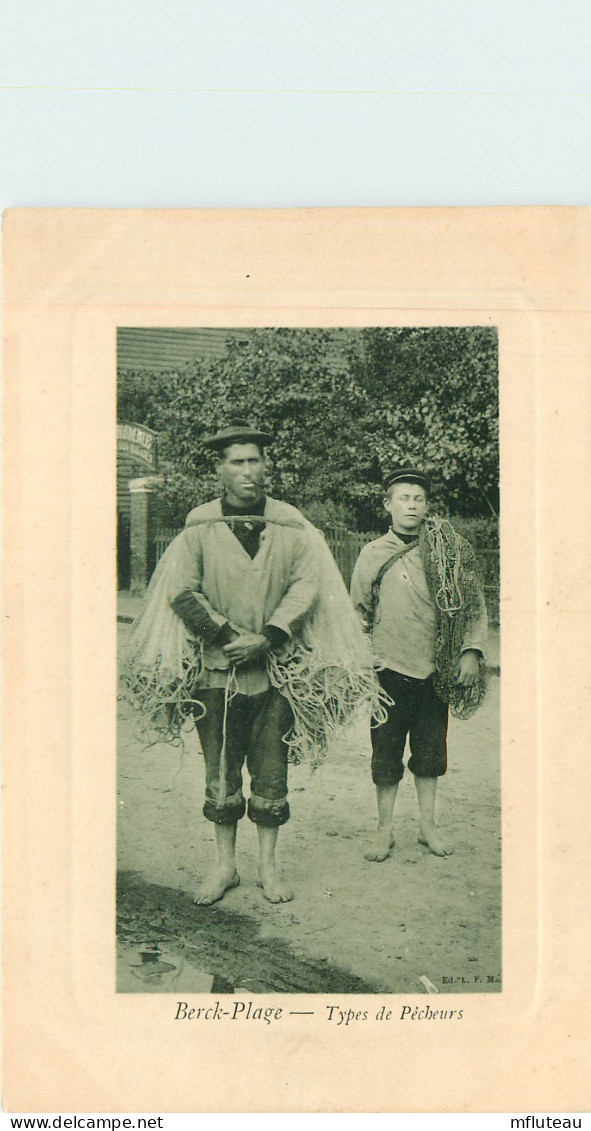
(301,591)
(185,597)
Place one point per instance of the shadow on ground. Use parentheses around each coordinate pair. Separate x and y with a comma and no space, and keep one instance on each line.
(161,933)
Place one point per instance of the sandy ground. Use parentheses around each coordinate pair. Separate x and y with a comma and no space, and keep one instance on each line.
(352,925)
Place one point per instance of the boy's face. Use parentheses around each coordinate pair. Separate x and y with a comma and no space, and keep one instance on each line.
(407,504)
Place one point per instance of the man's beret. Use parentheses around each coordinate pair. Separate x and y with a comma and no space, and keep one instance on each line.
(238,431)
(407,475)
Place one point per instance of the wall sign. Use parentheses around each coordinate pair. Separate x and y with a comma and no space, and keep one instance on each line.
(138,441)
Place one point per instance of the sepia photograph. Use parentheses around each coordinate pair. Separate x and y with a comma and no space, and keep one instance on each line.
(289,619)
(309,643)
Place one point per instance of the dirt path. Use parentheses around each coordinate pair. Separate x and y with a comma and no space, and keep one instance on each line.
(352,925)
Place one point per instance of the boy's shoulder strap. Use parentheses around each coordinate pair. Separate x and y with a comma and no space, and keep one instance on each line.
(379,577)
(390,562)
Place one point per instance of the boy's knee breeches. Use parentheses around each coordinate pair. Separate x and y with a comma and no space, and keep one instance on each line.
(418,713)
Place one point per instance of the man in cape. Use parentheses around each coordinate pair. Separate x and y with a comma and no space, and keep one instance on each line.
(247,625)
(417,592)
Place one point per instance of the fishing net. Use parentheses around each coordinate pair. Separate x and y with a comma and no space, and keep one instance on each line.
(452,579)
(327,676)
(329,679)
(161,664)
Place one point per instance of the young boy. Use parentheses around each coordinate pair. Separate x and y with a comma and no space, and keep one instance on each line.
(401,608)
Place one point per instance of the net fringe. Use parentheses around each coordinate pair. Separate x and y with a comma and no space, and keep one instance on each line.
(163,704)
(323,696)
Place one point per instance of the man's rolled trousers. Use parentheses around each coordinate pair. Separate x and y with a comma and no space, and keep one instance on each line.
(234,575)
(248,627)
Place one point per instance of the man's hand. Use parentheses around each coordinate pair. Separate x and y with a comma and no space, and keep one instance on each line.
(246,647)
(468,668)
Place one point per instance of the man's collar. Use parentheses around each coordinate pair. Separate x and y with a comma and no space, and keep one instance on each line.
(248,508)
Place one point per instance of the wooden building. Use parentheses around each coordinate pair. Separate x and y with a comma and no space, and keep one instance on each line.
(161,349)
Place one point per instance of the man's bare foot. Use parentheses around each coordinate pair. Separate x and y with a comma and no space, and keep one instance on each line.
(215,886)
(433,840)
(384,842)
(273,887)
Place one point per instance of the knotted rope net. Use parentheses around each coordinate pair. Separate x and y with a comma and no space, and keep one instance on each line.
(452,579)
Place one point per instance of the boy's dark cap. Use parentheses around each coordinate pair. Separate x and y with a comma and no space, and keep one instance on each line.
(407,474)
(238,431)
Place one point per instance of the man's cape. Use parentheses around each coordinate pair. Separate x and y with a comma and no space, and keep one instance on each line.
(328,675)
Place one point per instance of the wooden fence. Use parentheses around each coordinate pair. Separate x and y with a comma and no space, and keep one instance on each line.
(162,542)
(347,545)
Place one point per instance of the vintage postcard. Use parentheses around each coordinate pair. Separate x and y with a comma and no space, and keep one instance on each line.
(295,514)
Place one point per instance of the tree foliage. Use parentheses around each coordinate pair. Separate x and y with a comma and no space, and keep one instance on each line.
(433,396)
(343,407)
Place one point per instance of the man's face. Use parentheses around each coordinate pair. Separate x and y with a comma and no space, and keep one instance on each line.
(407,503)
(242,472)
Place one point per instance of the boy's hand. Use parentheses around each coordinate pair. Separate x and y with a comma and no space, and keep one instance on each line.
(246,647)
(468,668)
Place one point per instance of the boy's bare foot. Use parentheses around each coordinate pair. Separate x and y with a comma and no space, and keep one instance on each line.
(215,886)
(273,887)
(384,842)
(433,840)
